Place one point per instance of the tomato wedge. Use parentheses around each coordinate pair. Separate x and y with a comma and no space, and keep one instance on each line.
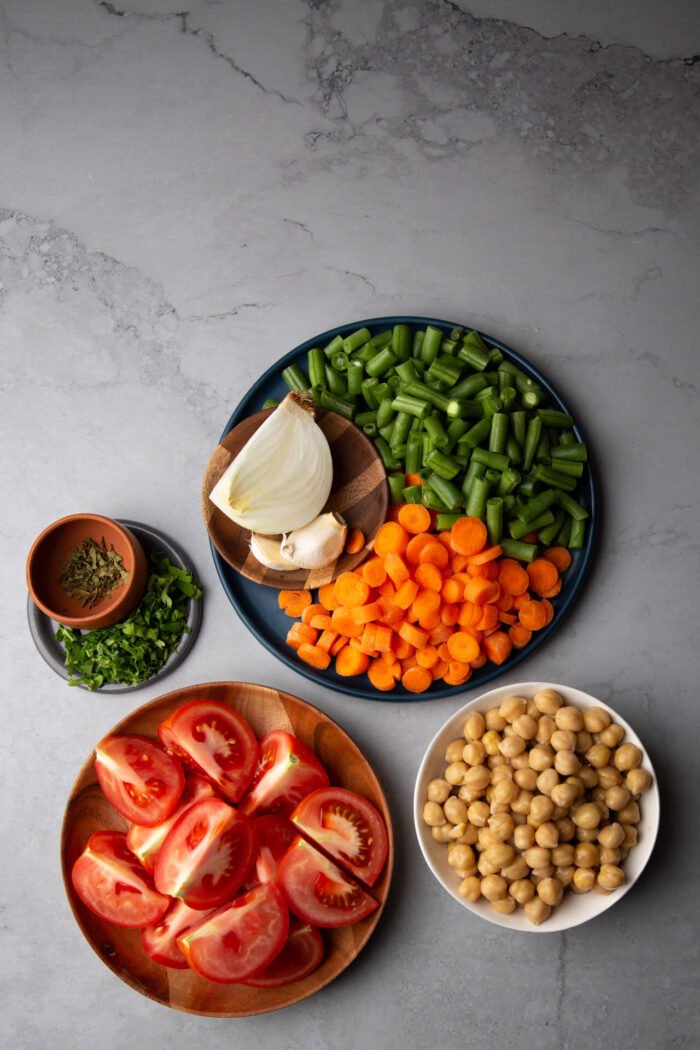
(348,827)
(217,742)
(145,842)
(207,854)
(317,891)
(275,835)
(138,777)
(111,882)
(301,955)
(287,771)
(160,938)
(240,939)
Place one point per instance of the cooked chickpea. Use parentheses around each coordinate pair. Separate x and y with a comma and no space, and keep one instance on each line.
(519,762)
(505,793)
(470,888)
(546,872)
(525,726)
(595,719)
(546,781)
(526,778)
(522,802)
(433,815)
(617,797)
(598,755)
(455,810)
(475,726)
(474,753)
(441,832)
(611,836)
(468,794)
(565,875)
(627,757)
(522,890)
(604,811)
(504,907)
(532,709)
(466,833)
(563,740)
(524,837)
(540,758)
(588,777)
(500,855)
(564,795)
(610,876)
(511,746)
(494,887)
(460,856)
(612,735)
(503,825)
(566,829)
(478,813)
(583,880)
(629,814)
(584,741)
(439,790)
(537,856)
(609,856)
(518,869)
(546,835)
(586,855)
(548,701)
(453,751)
(631,835)
(501,772)
(550,891)
(587,816)
(609,777)
(537,911)
(490,741)
(569,718)
(512,707)
(587,834)
(566,763)
(545,727)
(563,856)
(494,720)
(454,774)
(541,809)
(487,837)
(638,781)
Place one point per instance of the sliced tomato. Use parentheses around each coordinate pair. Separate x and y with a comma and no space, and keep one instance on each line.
(275,835)
(240,939)
(301,955)
(346,826)
(145,842)
(160,938)
(139,778)
(111,882)
(207,854)
(317,891)
(287,771)
(217,741)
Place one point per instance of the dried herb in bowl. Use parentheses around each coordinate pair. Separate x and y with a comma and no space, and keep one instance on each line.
(135,649)
(92,571)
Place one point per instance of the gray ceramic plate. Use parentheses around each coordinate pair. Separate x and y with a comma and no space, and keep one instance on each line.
(43,628)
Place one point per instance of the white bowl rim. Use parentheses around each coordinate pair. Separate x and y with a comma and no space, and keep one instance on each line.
(576,908)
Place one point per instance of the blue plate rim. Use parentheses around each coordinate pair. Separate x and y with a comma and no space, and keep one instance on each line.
(355,686)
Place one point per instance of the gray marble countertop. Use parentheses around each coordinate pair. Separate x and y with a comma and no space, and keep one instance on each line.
(187,194)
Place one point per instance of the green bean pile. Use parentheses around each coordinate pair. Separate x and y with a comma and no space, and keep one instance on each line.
(473,425)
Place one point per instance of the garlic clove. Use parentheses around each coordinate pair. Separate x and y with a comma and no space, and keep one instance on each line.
(268,552)
(282,477)
(317,544)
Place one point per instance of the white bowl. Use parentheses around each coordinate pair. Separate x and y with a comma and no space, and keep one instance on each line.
(576,908)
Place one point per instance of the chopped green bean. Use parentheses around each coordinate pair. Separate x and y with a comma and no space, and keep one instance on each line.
(536,506)
(414,446)
(295,378)
(437,432)
(431,344)
(476,497)
(532,440)
(396,485)
(552,418)
(576,452)
(401,424)
(356,372)
(333,347)
(577,533)
(494,519)
(442,464)
(474,351)
(356,339)
(572,507)
(499,432)
(334,381)
(388,459)
(495,460)
(517,549)
(381,363)
(412,493)
(401,341)
(549,476)
(414,406)
(446,521)
(445,491)
(340,361)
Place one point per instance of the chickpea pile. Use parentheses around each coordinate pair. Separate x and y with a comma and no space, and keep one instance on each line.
(537,796)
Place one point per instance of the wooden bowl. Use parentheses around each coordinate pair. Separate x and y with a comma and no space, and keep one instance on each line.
(88,811)
(359,494)
(49,553)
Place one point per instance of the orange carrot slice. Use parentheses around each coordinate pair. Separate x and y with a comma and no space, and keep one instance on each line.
(294,602)
(391,538)
(311,654)
(355,541)
(463,646)
(350,662)
(542,574)
(520,636)
(497,647)
(512,577)
(560,557)
(417,679)
(428,576)
(532,615)
(351,590)
(468,535)
(380,676)
(414,518)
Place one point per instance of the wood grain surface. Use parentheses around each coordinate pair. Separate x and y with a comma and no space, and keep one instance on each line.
(359,494)
(88,811)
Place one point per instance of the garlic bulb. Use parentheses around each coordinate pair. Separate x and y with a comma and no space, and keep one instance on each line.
(268,553)
(317,544)
(282,477)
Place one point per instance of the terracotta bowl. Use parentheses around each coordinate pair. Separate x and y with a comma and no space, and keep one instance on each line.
(359,494)
(120,949)
(48,555)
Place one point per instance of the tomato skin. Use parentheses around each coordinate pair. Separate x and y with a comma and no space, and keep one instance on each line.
(301,955)
(275,835)
(286,772)
(241,939)
(145,842)
(317,891)
(217,742)
(141,780)
(207,854)
(160,938)
(348,827)
(111,883)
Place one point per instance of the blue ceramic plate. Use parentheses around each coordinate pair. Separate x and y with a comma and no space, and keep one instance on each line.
(257,605)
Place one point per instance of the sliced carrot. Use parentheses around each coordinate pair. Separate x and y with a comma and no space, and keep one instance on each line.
(428,576)
(413,479)
(434,553)
(382,638)
(445,538)
(512,577)
(549,610)
(427,657)
(415,545)
(350,662)
(374,572)
(414,518)
(443,651)
(327,640)
(365,613)
(458,562)
(401,648)
(321,623)
(505,602)
(299,633)
(405,594)
(343,623)
(368,639)
(396,568)
(312,610)
(519,636)
(532,615)
(481,591)
(311,654)
(294,602)
(505,617)
(452,591)
(449,614)
(391,538)
(479,662)
(425,603)
(560,557)
(468,535)
(351,590)
(462,646)
(326,597)
(520,599)
(440,669)
(489,618)
(469,614)
(393,664)
(457,673)
(417,679)
(339,644)
(487,571)
(380,676)
(440,634)
(497,647)
(387,589)
(415,635)
(355,541)
(409,662)
(542,574)
(553,591)
(490,554)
